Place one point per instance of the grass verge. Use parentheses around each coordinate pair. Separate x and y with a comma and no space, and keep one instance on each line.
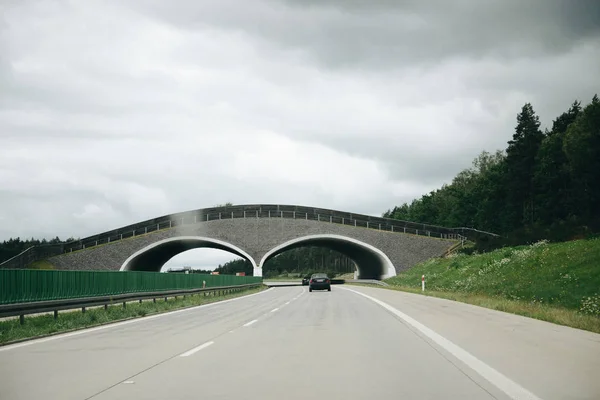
(557,282)
(44,325)
(544,312)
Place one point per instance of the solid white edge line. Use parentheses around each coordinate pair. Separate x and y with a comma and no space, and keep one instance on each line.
(275,309)
(251,322)
(287,303)
(196,349)
(508,386)
(118,324)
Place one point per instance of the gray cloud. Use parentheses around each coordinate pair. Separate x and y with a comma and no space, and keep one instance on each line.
(111,113)
(397,34)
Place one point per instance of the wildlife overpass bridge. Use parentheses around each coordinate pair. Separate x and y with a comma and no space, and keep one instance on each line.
(380,247)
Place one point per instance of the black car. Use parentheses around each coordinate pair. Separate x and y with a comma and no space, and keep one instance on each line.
(319,282)
(305,280)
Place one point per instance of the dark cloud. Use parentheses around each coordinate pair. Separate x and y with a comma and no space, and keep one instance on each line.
(397,34)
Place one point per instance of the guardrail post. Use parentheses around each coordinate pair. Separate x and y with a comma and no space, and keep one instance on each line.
(232,215)
(342,221)
(157,227)
(367,224)
(124,304)
(331,219)
(146,230)
(219,215)
(404,229)
(22,319)
(154,300)
(121,236)
(83,310)
(379,226)
(140,301)
(354,222)
(165,299)
(269,213)
(105,307)
(55,314)
(294,214)
(417,231)
(281,214)
(392,228)
(170,224)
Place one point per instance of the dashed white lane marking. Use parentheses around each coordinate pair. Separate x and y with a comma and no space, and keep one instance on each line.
(275,309)
(231,331)
(128,382)
(132,321)
(287,303)
(196,349)
(511,388)
(251,322)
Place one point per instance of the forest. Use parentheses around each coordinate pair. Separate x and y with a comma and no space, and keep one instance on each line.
(544,185)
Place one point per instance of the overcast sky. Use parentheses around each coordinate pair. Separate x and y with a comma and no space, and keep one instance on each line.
(115,111)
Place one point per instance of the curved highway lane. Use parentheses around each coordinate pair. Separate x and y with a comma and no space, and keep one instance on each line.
(350,343)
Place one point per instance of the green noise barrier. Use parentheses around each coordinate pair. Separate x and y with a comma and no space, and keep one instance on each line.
(23,285)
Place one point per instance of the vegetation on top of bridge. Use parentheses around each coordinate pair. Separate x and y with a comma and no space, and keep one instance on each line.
(19,286)
(557,282)
(544,186)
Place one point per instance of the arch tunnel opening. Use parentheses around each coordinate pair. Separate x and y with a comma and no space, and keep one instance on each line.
(371,263)
(305,260)
(152,258)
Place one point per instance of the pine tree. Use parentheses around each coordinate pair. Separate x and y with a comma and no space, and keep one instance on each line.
(520,158)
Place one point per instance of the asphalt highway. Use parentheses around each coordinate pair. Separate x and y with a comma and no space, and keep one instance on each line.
(286,343)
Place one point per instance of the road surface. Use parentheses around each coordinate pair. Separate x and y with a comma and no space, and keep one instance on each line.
(285,343)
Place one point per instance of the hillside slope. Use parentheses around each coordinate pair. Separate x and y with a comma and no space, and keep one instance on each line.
(564,275)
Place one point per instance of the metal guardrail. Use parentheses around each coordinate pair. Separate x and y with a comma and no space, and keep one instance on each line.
(36,307)
(240,211)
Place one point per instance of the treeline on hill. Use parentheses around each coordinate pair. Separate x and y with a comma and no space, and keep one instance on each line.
(303,260)
(12,247)
(545,185)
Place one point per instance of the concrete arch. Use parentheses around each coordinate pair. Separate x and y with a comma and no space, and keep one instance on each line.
(154,256)
(371,262)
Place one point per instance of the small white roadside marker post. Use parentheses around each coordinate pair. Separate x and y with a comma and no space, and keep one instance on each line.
(423,283)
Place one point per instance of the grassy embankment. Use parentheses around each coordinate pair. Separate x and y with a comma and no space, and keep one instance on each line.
(42,325)
(558,282)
